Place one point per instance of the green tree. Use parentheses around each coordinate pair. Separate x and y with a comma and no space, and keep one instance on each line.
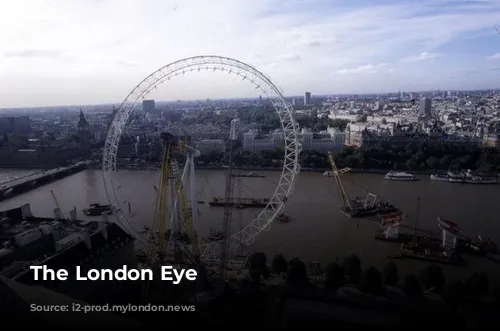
(258,266)
(297,273)
(477,284)
(411,287)
(432,162)
(432,278)
(454,291)
(335,277)
(279,265)
(390,274)
(370,282)
(339,124)
(352,266)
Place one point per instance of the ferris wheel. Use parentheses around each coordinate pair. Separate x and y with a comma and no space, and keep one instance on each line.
(263,84)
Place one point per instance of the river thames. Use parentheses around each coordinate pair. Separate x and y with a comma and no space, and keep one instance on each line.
(318,230)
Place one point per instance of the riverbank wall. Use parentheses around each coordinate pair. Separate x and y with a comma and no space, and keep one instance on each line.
(246,168)
(302,169)
(28,183)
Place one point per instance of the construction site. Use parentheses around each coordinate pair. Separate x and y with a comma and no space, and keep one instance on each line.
(173,237)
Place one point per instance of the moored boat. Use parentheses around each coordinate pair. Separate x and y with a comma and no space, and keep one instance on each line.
(250,174)
(474,179)
(467,178)
(400,176)
(283,218)
(96,209)
(440,177)
(215,235)
(240,202)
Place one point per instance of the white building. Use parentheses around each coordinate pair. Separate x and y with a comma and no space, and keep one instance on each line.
(307,98)
(207,146)
(252,141)
(329,140)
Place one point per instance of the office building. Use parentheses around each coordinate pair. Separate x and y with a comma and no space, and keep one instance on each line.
(307,98)
(425,107)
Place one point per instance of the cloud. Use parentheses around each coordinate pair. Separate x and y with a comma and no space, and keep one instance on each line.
(494,57)
(366,69)
(422,57)
(122,41)
(32,53)
(292,58)
(314,43)
(123,63)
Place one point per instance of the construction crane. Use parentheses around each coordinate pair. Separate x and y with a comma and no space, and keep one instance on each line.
(186,207)
(369,203)
(346,202)
(59,210)
(228,207)
(171,181)
(170,172)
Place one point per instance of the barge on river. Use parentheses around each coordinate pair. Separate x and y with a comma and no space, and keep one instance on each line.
(430,251)
(240,202)
(96,209)
(283,218)
(363,211)
(250,175)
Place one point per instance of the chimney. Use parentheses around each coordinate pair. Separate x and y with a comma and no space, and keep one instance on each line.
(57,214)
(26,210)
(103,228)
(72,214)
(86,237)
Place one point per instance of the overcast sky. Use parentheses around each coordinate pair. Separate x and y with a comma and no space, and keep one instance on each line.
(58,52)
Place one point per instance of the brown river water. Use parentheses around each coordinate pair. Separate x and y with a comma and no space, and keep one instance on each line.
(318,230)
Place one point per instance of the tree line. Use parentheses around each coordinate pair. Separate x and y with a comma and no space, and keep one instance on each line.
(365,286)
(412,157)
(422,156)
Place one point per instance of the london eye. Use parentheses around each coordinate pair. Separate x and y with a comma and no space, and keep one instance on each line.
(275,205)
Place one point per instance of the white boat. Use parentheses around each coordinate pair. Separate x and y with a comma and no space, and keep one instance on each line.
(399,175)
(467,178)
(440,177)
(328,173)
(456,177)
(449,177)
(473,179)
(481,180)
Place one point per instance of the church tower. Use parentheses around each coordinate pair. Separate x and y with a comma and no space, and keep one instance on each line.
(85,137)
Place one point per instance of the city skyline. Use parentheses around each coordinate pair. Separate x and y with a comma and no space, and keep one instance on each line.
(94,52)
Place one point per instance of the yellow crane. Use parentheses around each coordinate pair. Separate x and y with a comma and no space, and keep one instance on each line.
(346,202)
(169,175)
(187,212)
(169,171)
(369,204)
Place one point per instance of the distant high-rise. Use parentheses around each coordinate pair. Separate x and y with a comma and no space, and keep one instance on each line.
(307,98)
(16,125)
(148,106)
(425,107)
